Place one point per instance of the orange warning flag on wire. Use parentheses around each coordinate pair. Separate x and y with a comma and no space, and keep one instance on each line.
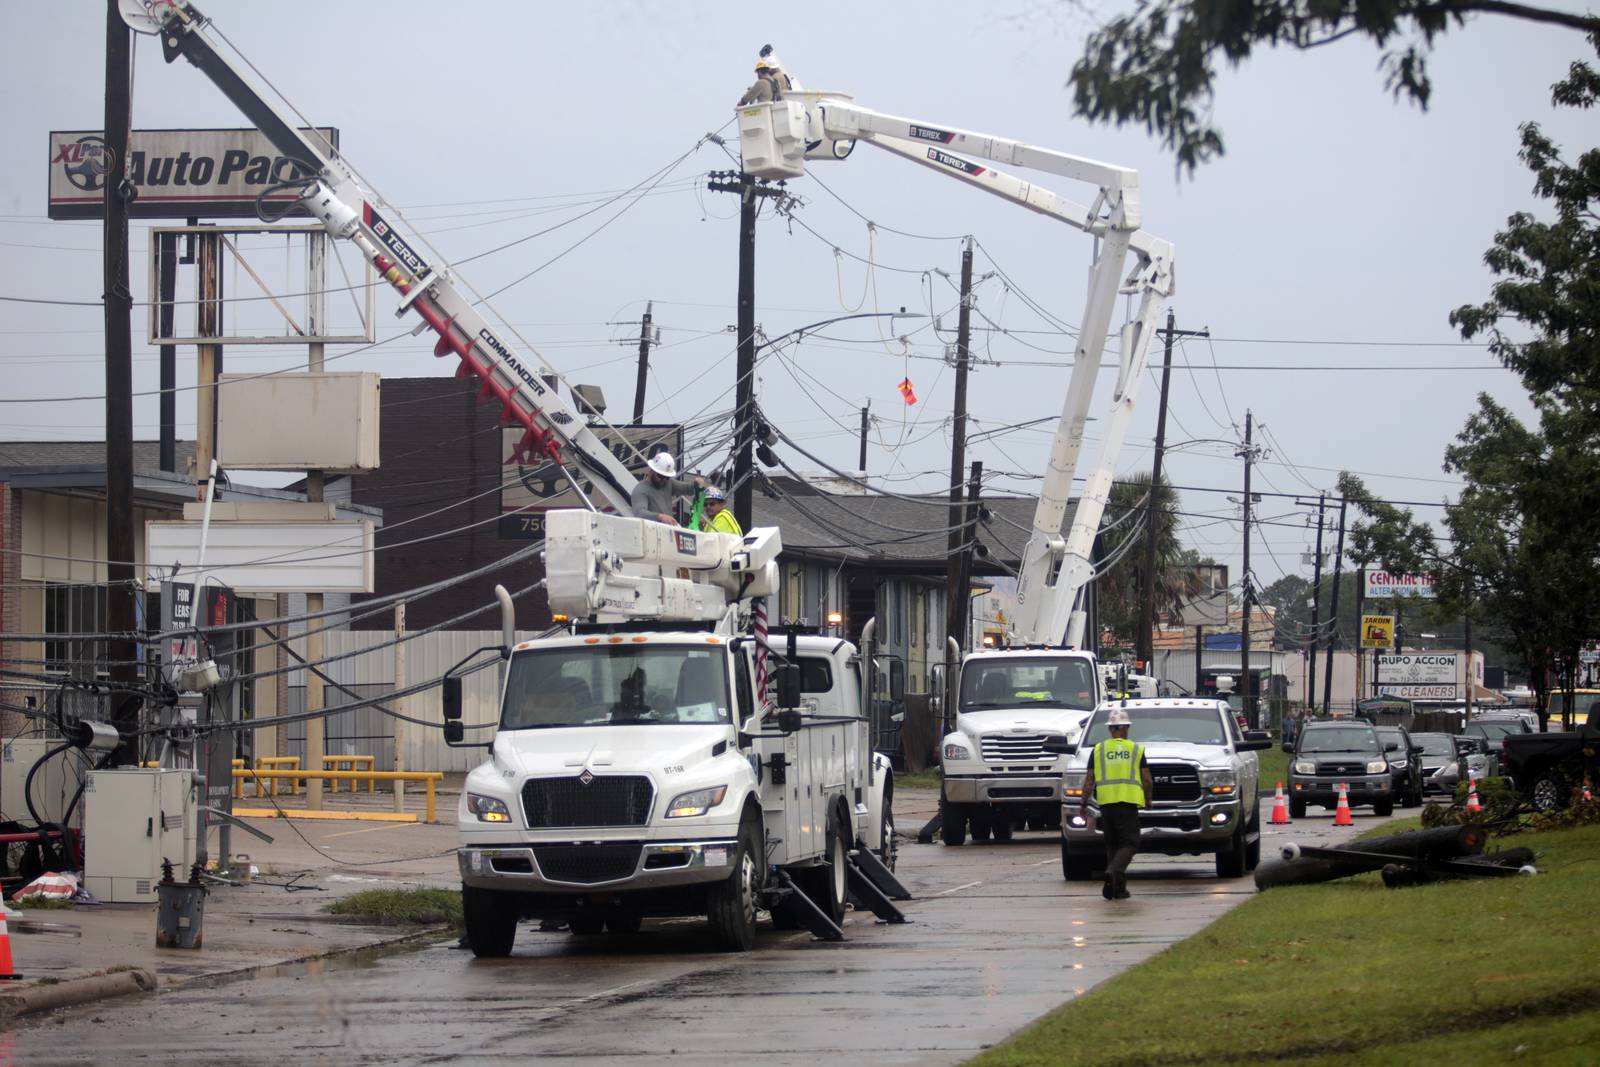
(907,391)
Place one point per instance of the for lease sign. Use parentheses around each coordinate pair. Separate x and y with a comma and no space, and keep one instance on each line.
(1383,584)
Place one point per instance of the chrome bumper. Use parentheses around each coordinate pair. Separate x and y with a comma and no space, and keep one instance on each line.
(1157,825)
(1002,789)
(660,865)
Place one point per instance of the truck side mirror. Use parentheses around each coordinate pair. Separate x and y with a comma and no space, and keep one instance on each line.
(790,720)
(1059,745)
(454,732)
(788,679)
(1288,746)
(450,696)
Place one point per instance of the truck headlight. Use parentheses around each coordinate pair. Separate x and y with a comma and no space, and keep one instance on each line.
(488,809)
(1377,766)
(1220,783)
(1305,767)
(955,751)
(1072,786)
(697,802)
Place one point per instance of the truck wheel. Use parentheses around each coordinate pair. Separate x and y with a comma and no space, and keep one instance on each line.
(1231,864)
(827,885)
(1297,809)
(953,827)
(980,822)
(888,844)
(1077,865)
(491,921)
(1000,824)
(1383,808)
(731,904)
(1548,793)
(1252,852)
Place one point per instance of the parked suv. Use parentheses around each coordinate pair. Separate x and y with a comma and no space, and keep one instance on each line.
(1206,786)
(1328,754)
(1405,766)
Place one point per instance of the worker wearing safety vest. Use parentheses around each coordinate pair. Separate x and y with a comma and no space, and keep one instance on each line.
(1119,780)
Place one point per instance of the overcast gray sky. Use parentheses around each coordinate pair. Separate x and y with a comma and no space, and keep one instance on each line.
(1324,251)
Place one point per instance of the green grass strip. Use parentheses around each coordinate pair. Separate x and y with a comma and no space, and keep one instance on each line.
(401,907)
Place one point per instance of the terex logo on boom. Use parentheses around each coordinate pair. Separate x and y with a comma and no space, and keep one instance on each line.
(928,133)
(393,242)
(955,162)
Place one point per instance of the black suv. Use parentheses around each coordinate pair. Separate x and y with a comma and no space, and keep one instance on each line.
(1330,754)
(1404,765)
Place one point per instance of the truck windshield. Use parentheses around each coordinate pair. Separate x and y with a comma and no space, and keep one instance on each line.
(1194,726)
(610,685)
(1006,683)
(1340,739)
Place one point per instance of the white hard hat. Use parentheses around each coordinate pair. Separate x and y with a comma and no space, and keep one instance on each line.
(773,62)
(663,464)
(1118,717)
(713,493)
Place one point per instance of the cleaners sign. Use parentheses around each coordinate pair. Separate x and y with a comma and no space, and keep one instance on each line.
(1419,675)
(1381,585)
(179,174)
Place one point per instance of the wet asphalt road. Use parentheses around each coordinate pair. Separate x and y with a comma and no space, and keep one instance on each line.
(996,939)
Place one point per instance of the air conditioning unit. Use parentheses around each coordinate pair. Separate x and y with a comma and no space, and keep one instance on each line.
(133,819)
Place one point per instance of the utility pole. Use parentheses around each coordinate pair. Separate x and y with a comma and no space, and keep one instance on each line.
(969,531)
(1316,606)
(957,567)
(120,615)
(1147,598)
(1250,707)
(1333,615)
(316,732)
(644,363)
(750,191)
(167,283)
(866,419)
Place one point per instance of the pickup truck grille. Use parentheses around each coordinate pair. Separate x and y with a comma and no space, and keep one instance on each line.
(1176,783)
(1334,767)
(608,800)
(1030,747)
(587,864)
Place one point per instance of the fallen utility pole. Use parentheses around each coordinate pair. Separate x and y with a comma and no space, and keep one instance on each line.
(956,561)
(1147,597)
(751,191)
(1306,866)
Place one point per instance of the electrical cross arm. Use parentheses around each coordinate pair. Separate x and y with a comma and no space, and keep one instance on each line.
(776,141)
(553,430)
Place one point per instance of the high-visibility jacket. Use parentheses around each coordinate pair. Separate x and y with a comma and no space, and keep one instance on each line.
(1116,763)
(725,523)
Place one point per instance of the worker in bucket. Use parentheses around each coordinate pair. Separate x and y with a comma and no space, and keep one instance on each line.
(656,494)
(717,517)
(780,75)
(1120,782)
(767,88)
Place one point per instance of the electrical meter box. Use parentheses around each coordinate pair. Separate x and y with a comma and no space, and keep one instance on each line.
(133,819)
(772,139)
(53,784)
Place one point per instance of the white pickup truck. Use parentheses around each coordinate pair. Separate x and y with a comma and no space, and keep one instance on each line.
(1207,785)
(630,777)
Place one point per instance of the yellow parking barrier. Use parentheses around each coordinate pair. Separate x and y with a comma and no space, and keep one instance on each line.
(356,763)
(278,763)
(428,778)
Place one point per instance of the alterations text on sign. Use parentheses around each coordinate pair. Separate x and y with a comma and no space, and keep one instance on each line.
(1381,585)
(178,173)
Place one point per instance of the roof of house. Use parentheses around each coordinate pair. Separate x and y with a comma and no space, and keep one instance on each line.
(906,529)
(33,454)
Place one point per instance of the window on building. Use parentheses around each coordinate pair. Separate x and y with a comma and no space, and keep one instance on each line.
(75,609)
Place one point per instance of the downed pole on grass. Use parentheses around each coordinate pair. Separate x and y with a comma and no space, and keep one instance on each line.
(1417,848)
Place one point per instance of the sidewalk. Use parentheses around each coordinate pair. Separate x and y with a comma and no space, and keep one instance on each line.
(263,923)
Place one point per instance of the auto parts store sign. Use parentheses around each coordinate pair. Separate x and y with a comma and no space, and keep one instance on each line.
(1420,675)
(177,174)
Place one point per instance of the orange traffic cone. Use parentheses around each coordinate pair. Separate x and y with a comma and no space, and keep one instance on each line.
(6,973)
(1341,814)
(1473,807)
(1280,808)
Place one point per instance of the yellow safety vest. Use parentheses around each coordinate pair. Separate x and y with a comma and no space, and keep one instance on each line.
(1116,772)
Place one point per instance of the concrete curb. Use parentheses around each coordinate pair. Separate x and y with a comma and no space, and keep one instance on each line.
(73,992)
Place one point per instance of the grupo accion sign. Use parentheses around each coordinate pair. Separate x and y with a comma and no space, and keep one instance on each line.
(1381,585)
(179,174)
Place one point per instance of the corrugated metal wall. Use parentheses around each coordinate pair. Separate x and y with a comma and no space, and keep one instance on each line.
(369,731)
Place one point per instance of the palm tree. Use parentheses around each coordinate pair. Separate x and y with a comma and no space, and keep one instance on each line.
(1119,588)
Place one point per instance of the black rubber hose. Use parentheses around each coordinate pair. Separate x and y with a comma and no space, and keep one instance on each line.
(27,784)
